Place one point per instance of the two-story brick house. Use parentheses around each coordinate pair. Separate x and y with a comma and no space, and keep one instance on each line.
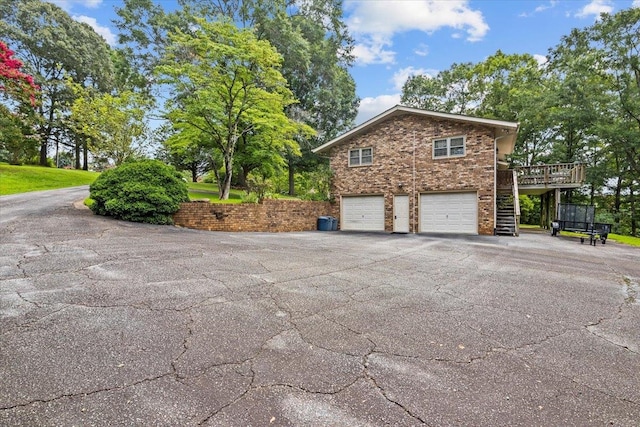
(412,170)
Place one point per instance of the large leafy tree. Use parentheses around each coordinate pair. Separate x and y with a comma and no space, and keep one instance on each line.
(13,81)
(506,87)
(600,71)
(54,47)
(312,39)
(112,127)
(451,90)
(17,141)
(226,84)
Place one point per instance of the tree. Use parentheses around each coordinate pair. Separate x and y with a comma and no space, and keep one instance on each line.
(451,91)
(54,47)
(110,126)
(13,81)
(16,128)
(17,142)
(226,84)
(183,154)
(599,104)
(311,37)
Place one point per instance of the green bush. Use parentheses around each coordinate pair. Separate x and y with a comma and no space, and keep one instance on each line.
(141,191)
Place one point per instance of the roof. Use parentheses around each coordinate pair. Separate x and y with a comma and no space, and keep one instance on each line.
(505,132)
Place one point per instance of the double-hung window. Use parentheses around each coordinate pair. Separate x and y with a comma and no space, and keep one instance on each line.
(449,147)
(360,157)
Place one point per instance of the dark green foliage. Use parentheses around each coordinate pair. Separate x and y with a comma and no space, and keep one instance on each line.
(142,191)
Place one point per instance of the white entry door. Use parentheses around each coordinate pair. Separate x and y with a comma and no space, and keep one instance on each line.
(363,213)
(449,213)
(401,214)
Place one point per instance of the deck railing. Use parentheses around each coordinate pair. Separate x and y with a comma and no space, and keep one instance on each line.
(556,175)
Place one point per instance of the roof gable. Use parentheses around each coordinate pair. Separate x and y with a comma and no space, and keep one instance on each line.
(505,131)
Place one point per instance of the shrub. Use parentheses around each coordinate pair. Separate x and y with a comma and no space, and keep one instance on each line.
(250,198)
(141,191)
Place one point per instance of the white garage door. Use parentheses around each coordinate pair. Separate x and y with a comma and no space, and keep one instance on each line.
(364,213)
(449,213)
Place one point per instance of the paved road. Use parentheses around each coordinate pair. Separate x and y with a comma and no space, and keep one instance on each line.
(111,323)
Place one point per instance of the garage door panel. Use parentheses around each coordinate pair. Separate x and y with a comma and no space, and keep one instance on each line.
(449,213)
(363,213)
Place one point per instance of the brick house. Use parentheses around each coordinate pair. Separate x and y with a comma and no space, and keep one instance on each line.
(410,170)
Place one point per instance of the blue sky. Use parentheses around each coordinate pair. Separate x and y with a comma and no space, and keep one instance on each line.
(398,38)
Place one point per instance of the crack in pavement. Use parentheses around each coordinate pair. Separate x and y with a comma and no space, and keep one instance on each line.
(383,393)
(185,345)
(237,399)
(27,300)
(85,393)
(591,330)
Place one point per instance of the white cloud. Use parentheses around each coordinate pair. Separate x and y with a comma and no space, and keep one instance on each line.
(402,75)
(595,8)
(423,49)
(636,3)
(372,51)
(105,32)
(550,5)
(68,4)
(374,23)
(541,59)
(371,107)
(544,7)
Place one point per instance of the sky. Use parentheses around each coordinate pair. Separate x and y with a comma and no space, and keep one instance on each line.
(398,38)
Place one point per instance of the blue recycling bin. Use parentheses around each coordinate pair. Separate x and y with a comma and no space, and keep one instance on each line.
(334,223)
(325,223)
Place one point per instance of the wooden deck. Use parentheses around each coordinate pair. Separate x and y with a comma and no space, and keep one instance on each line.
(540,179)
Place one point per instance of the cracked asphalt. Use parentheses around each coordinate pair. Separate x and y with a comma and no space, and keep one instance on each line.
(112,323)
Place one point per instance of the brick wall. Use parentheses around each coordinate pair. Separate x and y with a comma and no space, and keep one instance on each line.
(393,143)
(269,215)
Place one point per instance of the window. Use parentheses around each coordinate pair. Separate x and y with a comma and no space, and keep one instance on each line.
(449,147)
(361,157)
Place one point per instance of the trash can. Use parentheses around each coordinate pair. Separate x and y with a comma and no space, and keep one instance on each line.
(325,223)
(334,223)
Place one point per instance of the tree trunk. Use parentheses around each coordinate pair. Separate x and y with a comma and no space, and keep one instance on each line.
(617,202)
(85,156)
(225,188)
(194,172)
(44,146)
(77,151)
(292,183)
(242,177)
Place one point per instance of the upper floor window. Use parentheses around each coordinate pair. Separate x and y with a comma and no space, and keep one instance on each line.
(361,157)
(449,147)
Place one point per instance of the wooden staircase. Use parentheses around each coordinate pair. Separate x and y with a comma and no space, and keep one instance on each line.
(506,224)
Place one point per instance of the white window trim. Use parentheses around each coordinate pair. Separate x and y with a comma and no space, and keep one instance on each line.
(448,139)
(359,150)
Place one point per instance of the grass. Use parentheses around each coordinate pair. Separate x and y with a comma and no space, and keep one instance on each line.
(201,190)
(627,240)
(23,179)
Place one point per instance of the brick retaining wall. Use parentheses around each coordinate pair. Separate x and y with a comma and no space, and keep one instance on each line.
(269,215)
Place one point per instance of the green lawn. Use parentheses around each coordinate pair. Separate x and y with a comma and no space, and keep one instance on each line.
(201,190)
(627,240)
(22,179)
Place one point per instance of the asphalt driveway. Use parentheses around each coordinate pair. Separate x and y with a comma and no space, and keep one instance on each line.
(111,323)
